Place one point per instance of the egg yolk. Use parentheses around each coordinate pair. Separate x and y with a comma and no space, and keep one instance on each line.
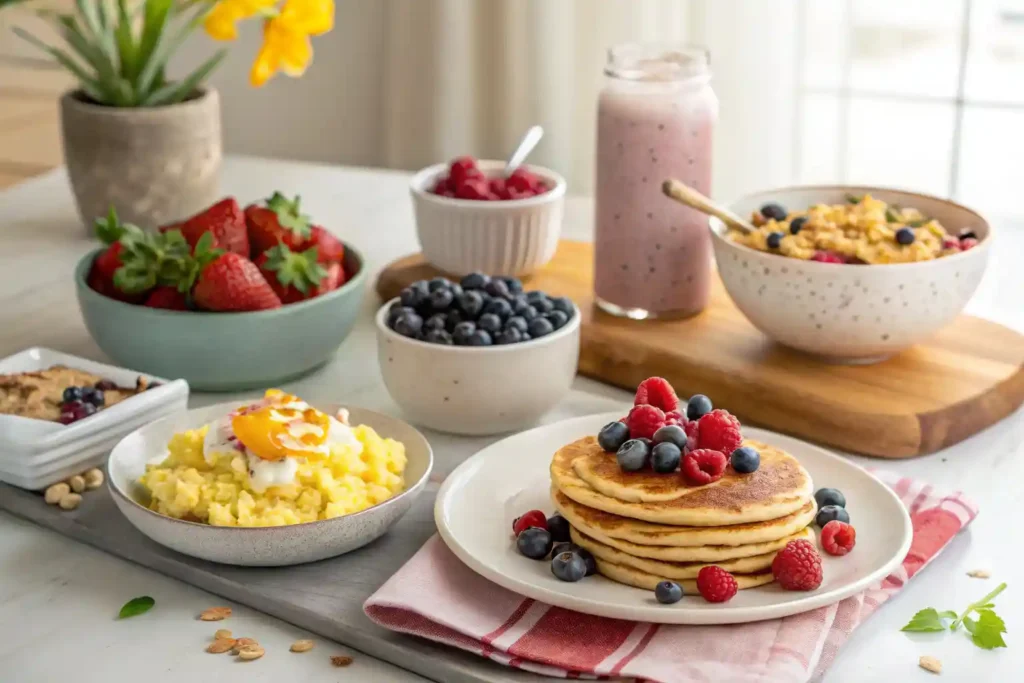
(279,429)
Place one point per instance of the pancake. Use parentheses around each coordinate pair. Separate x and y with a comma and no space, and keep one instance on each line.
(780,487)
(604,525)
(640,579)
(708,553)
(675,571)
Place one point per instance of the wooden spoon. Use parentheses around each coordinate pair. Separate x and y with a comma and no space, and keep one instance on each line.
(684,194)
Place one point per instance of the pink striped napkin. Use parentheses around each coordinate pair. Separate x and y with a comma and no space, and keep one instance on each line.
(437,597)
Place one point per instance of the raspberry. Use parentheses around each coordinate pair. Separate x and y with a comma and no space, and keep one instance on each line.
(532,518)
(719,431)
(691,428)
(715,584)
(797,567)
(838,538)
(950,242)
(656,391)
(703,466)
(968,243)
(827,257)
(644,420)
(674,417)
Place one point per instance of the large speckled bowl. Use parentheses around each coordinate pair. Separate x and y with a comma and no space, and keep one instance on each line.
(260,546)
(851,313)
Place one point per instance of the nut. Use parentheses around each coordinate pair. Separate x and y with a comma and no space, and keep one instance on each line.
(222,633)
(93,478)
(302,646)
(930,664)
(70,501)
(56,492)
(251,652)
(215,614)
(220,646)
(978,574)
(77,483)
(341,661)
(242,643)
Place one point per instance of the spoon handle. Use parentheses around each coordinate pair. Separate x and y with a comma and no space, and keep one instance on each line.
(523,149)
(685,194)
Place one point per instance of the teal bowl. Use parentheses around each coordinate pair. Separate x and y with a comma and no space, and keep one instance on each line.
(224,351)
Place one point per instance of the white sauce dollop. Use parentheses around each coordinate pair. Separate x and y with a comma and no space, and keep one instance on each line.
(266,473)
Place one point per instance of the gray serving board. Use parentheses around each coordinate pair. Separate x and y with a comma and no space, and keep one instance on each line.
(333,610)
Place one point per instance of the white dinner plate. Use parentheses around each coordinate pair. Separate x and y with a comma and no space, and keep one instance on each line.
(479,500)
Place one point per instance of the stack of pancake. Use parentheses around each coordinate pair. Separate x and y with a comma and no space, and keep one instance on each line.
(644,527)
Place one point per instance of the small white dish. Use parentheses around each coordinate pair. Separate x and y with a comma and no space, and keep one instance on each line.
(260,546)
(478,389)
(479,500)
(510,237)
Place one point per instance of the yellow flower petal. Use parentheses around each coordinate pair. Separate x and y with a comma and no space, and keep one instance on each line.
(220,21)
(313,17)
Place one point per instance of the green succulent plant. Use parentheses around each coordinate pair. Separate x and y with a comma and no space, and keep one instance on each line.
(118,50)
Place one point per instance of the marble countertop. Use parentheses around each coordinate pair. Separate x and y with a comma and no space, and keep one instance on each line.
(58,598)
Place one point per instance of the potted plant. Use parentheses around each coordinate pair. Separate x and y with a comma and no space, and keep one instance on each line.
(136,138)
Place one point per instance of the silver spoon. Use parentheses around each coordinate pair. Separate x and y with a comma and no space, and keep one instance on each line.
(523,149)
(684,194)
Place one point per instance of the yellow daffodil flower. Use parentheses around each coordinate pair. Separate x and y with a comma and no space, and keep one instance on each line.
(286,44)
(221,21)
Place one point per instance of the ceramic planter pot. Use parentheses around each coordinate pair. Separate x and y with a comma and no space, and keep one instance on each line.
(156,165)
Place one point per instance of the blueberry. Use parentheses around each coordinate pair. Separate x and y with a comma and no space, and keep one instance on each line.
(557,319)
(441,299)
(508,336)
(525,311)
(499,307)
(668,592)
(825,497)
(475,281)
(438,283)
(479,338)
(454,318)
(535,295)
(93,396)
(558,527)
(831,512)
(632,455)
(438,321)
(797,224)
(905,236)
(968,234)
(673,434)
(647,442)
(525,337)
(72,394)
(517,322)
(438,337)
(568,566)
(534,543)
(665,457)
(563,304)
(774,240)
(773,211)
(588,559)
(543,305)
(745,460)
(697,407)
(471,303)
(515,286)
(409,325)
(396,311)
(490,323)
(463,331)
(612,436)
(413,297)
(538,327)
(564,547)
(498,289)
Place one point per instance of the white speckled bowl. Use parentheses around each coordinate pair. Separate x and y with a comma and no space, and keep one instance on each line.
(850,313)
(260,546)
(478,390)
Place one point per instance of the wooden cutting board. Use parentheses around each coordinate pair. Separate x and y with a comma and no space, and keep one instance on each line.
(969,376)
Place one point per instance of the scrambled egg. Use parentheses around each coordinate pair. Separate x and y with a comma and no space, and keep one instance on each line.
(216,489)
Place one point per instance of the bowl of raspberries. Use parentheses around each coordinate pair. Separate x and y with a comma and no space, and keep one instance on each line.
(228,299)
(471,217)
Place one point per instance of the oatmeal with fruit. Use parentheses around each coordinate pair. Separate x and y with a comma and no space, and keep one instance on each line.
(865,230)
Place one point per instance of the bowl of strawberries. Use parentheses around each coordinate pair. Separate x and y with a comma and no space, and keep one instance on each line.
(229,299)
(470,217)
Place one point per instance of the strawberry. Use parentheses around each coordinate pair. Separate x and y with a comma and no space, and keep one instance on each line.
(167,297)
(224,220)
(335,278)
(279,222)
(293,276)
(329,248)
(233,283)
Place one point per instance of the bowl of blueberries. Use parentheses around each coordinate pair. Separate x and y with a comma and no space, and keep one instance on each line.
(478,356)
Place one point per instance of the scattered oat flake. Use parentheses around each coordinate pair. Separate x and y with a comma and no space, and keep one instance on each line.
(220,646)
(222,633)
(930,664)
(341,661)
(242,643)
(979,574)
(302,646)
(251,652)
(215,614)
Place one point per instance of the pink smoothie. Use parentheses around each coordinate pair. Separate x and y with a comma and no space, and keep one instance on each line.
(652,255)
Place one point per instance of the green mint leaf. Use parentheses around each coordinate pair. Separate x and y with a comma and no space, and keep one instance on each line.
(136,606)
(918,223)
(927,620)
(970,625)
(853,199)
(891,216)
(987,632)
(948,614)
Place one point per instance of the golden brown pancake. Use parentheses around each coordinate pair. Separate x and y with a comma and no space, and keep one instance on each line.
(641,579)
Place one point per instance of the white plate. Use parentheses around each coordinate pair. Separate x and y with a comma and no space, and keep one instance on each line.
(478,501)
